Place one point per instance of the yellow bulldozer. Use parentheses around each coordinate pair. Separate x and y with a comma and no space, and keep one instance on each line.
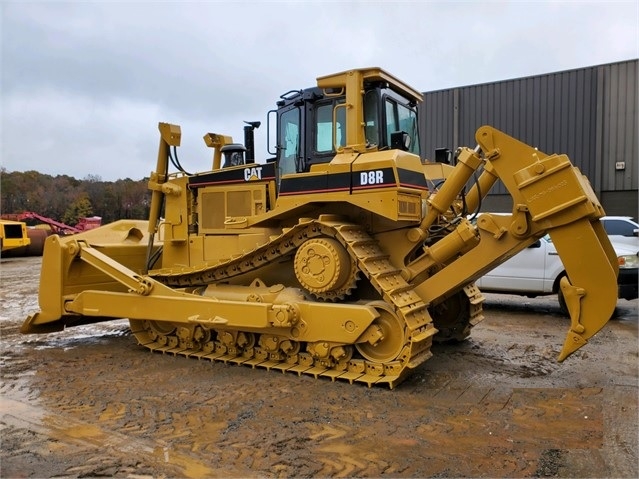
(345,255)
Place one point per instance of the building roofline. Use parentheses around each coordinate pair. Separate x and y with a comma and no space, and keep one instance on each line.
(559,72)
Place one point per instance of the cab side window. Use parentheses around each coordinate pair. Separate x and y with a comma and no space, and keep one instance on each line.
(289,141)
(370,118)
(324,141)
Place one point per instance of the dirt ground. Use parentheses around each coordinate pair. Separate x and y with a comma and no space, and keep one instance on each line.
(90,402)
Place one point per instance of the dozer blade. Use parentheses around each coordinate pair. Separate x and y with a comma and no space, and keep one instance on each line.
(89,286)
(584,248)
(64,275)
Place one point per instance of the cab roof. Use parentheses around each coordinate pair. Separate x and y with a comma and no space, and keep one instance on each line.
(371,74)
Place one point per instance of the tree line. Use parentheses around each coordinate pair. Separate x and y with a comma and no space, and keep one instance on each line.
(67,199)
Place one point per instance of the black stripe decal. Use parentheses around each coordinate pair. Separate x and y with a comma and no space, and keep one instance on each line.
(250,172)
(379,178)
(412,179)
(353,181)
(315,184)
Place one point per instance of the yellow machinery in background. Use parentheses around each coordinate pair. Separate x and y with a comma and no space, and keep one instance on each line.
(343,256)
(13,235)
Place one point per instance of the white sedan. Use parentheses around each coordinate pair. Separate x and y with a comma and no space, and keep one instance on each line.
(536,271)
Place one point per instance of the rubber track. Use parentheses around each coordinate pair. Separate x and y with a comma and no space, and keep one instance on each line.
(371,261)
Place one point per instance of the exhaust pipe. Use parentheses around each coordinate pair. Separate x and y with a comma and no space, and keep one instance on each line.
(249,140)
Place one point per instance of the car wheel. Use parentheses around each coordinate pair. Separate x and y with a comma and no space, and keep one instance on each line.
(562,303)
(564,308)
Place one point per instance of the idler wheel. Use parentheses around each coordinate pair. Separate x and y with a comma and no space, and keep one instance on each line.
(161,327)
(147,331)
(388,339)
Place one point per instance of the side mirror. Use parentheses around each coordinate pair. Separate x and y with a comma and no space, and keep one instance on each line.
(442,155)
(400,140)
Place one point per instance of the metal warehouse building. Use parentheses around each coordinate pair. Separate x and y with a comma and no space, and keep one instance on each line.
(590,114)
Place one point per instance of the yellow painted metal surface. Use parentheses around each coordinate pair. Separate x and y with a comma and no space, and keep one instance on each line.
(13,234)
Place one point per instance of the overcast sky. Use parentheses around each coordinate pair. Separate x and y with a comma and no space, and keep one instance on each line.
(84,84)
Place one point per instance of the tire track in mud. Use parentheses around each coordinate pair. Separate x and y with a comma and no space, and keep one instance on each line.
(104,445)
(178,413)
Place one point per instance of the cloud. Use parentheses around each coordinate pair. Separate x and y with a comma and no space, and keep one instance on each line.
(61,133)
(84,84)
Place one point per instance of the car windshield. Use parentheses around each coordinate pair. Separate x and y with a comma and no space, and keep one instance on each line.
(620,227)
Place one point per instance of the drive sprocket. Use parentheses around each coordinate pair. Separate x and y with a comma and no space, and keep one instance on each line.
(325,269)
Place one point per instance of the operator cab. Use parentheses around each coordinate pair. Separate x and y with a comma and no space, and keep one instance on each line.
(312,125)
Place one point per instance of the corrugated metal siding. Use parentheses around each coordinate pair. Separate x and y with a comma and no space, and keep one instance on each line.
(590,114)
(437,122)
(619,126)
